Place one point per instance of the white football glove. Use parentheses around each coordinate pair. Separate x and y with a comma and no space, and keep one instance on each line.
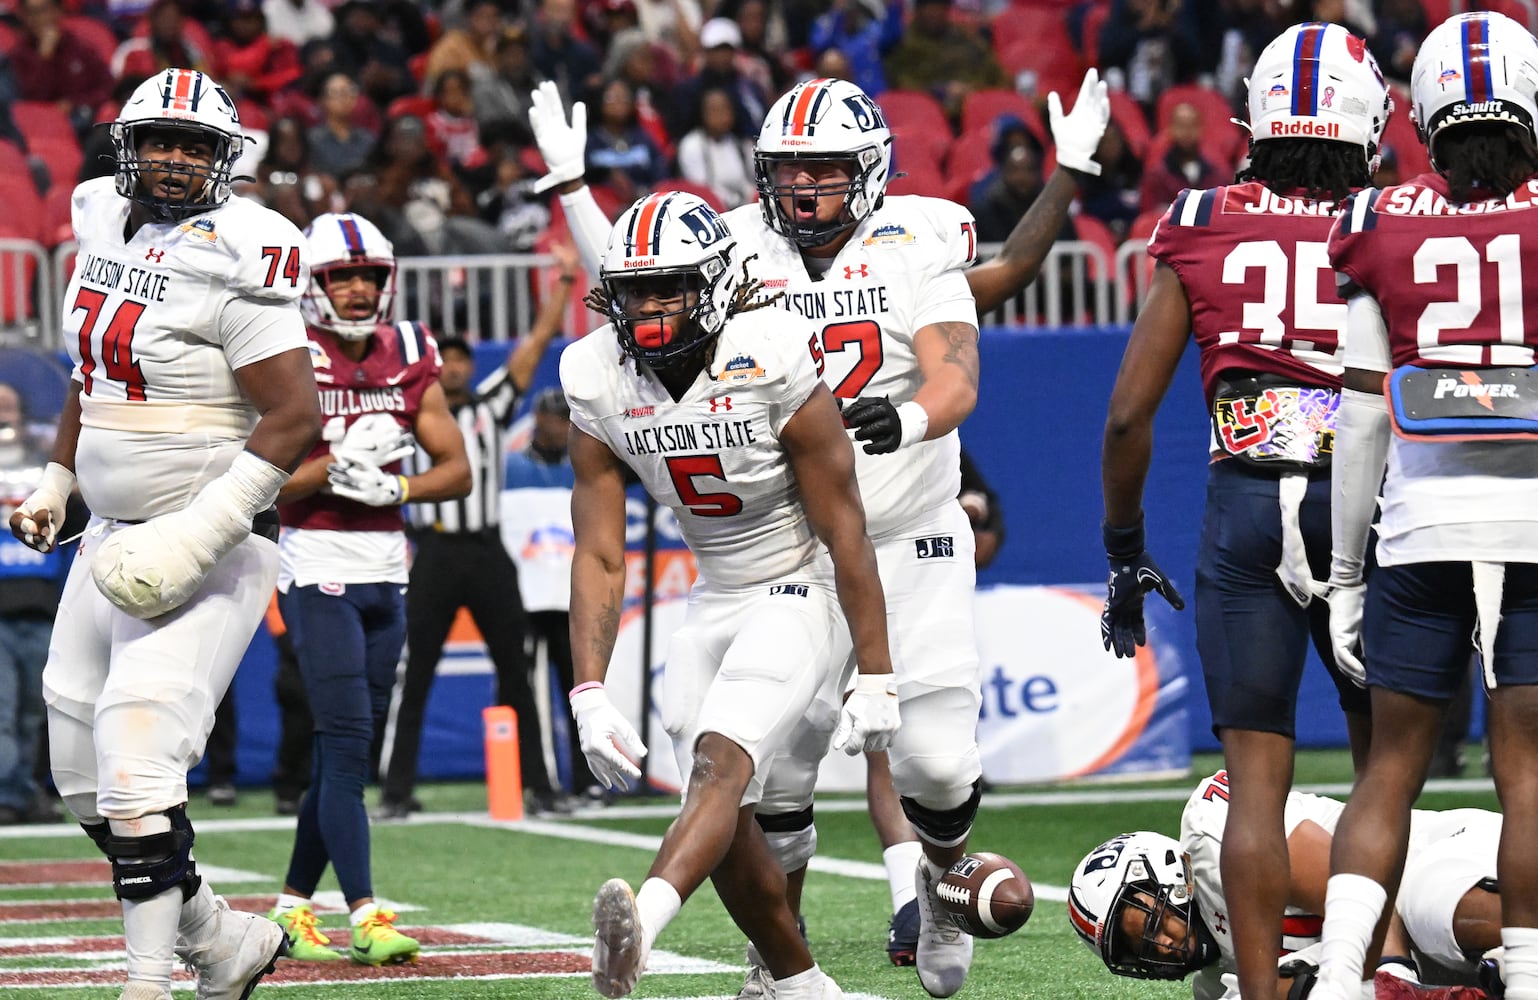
(869,718)
(1345,600)
(609,742)
(563,146)
(1077,134)
(152,568)
(366,484)
(38,520)
(376,439)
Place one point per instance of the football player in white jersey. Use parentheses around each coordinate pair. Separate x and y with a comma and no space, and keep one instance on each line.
(702,394)
(1154,908)
(894,334)
(192,398)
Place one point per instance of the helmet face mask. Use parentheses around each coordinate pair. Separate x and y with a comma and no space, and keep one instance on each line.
(181,112)
(1142,877)
(1480,67)
(1319,81)
(667,277)
(818,124)
(341,245)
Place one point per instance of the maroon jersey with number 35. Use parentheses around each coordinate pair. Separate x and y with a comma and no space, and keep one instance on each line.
(1458,283)
(1256,270)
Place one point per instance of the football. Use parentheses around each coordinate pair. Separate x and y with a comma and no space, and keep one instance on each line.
(987,895)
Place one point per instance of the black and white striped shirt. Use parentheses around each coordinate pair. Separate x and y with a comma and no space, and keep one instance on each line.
(483,423)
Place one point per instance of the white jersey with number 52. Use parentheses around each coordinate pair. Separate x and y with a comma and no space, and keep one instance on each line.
(156,326)
(901,270)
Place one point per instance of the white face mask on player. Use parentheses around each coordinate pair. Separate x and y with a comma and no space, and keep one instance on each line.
(344,248)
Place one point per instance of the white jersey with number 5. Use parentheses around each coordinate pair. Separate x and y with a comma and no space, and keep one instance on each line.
(714,457)
(156,326)
(901,270)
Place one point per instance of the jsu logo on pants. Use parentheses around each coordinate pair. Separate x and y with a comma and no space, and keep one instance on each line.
(793,589)
(936,547)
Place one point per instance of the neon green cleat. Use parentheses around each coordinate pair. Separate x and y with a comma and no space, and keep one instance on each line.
(305,941)
(377,942)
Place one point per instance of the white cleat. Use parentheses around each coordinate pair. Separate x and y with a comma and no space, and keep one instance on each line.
(945,951)
(760,982)
(619,944)
(821,988)
(238,951)
(139,990)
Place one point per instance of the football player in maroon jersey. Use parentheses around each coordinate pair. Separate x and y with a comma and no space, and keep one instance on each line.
(1439,393)
(1243,268)
(342,569)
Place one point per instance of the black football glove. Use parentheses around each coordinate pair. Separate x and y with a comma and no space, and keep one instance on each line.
(1133,574)
(875,421)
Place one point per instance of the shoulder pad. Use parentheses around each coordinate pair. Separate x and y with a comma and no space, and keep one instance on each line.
(1358,214)
(1192,207)
(583,364)
(934,221)
(87,201)
(262,254)
(417,343)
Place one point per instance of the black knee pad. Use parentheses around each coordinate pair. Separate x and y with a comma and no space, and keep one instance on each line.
(145,867)
(791,822)
(944,827)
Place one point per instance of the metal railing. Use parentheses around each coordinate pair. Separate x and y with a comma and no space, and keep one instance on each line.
(495,297)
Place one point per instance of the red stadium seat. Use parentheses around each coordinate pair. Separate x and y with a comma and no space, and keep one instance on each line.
(982,107)
(913,109)
(1219,134)
(1402,137)
(689,187)
(1037,25)
(15,296)
(7,38)
(971,156)
(1092,230)
(1128,116)
(1053,67)
(1094,20)
(23,216)
(926,182)
(39,119)
(57,226)
(63,158)
(13,164)
(294,104)
(94,33)
(419,107)
(1143,226)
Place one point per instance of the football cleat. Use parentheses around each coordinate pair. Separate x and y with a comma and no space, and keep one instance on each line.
(241,949)
(377,942)
(619,944)
(305,941)
(902,936)
(944,951)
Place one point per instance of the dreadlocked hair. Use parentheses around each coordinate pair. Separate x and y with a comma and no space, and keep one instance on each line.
(1323,170)
(1485,159)
(745,299)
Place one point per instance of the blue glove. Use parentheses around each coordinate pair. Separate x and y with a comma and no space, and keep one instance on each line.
(1133,574)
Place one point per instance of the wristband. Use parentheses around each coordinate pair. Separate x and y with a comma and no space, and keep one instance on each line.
(405,488)
(58,479)
(915,423)
(883,683)
(590,685)
(1123,543)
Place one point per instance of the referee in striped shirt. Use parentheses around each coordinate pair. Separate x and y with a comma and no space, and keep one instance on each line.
(460,562)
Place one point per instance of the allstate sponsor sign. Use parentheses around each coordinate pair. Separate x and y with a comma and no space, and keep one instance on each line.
(1055,704)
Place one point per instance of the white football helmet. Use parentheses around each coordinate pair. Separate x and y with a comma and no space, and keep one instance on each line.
(1476,67)
(668,245)
(823,120)
(340,242)
(1318,81)
(1147,872)
(182,99)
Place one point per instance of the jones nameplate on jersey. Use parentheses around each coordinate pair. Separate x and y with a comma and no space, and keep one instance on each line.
(1450,404)
(935,547)
(1266,424)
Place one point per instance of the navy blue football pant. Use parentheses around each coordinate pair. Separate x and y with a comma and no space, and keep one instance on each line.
(1251,635)
(348,644)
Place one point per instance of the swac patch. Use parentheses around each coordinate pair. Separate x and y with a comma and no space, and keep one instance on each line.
(318,356)
(202,229)
(333,589)
(793,589)
(740,370)
(891,233)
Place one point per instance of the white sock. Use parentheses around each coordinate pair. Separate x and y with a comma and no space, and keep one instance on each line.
(1521,971)
(1352,906)
(287,902)
(362,913)
(197,920)
(792,987)
(149,925)
(901,860)
(658,903)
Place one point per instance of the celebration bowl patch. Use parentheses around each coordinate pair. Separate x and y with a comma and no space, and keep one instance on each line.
(740,370)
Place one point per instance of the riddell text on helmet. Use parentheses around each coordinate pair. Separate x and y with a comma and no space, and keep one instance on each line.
(1324,130)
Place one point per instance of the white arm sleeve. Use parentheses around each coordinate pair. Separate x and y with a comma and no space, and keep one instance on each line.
(1361,444)
(589,227)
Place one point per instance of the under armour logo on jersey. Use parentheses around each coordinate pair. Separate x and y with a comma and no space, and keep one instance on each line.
(863,271)
(154,255)
(721,403)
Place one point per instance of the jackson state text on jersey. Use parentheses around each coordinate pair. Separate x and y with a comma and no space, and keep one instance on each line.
(1256,269)
(900,270)
(401,363)
(714,457)
(156,326)
(1458,284)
